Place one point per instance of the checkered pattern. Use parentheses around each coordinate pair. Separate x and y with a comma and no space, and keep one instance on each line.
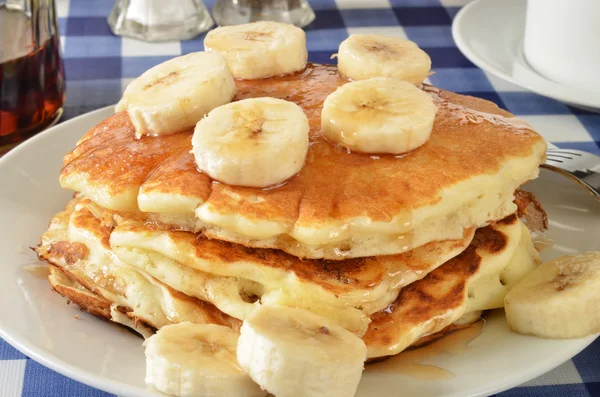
(100,65)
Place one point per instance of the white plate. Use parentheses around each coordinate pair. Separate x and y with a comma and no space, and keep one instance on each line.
(38,322)
(490,34)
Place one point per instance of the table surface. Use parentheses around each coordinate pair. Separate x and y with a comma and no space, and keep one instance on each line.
(99,65)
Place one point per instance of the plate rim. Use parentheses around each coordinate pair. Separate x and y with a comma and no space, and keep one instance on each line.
(31,350)
(525,376)
(109,385)
(480,61)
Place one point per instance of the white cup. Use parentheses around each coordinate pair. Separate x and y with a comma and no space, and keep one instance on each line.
(562,41)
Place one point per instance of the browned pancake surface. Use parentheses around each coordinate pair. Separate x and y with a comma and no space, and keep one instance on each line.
(429,302)
(334,184)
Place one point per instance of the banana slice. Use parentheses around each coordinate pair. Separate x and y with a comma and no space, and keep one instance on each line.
(176,94)
(362,56)
(260,49)
(379,115)
(559,299)
(292,352)
(253,142)
(190,360)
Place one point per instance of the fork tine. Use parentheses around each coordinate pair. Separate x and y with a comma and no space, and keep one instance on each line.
(553,155)
(564,151)
(583,167)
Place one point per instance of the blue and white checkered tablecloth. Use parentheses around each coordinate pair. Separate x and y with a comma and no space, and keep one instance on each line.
(99,65)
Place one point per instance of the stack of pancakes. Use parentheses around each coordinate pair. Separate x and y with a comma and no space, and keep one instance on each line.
(393,248)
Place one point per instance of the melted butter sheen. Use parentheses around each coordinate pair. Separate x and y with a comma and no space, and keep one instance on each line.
(308,89)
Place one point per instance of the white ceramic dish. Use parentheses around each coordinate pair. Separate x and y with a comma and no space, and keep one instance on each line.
(39,323)
(490,34)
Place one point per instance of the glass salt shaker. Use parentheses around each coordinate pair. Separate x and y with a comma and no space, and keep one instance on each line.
(159,20)
(235,12)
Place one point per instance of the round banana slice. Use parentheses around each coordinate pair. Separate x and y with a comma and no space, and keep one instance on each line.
(559,299)
(260,49)
(362,56)
(379,115)
(255,142)
(190,360)
(292,352)
(176,94)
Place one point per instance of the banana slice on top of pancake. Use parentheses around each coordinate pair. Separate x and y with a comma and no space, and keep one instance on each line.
(362,56)
(292,352)
(255,142)
(378,115)
(260,49)
(189,360)
(176,94)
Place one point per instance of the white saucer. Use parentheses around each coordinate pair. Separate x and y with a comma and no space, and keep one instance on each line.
(490,34)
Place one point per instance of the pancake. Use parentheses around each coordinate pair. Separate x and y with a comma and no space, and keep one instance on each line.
(500,275)
(78,294)
(341,204)
(166,277)
(96,305)
(233,277)
(79,246)
(454,290)
(75,292)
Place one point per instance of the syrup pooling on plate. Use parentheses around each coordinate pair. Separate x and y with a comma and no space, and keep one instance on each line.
(414,362)
(543,243)
(37,271)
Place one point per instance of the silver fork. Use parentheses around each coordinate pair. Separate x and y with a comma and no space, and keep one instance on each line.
(580,166)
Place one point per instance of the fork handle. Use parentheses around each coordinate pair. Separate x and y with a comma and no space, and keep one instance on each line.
(590,178)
